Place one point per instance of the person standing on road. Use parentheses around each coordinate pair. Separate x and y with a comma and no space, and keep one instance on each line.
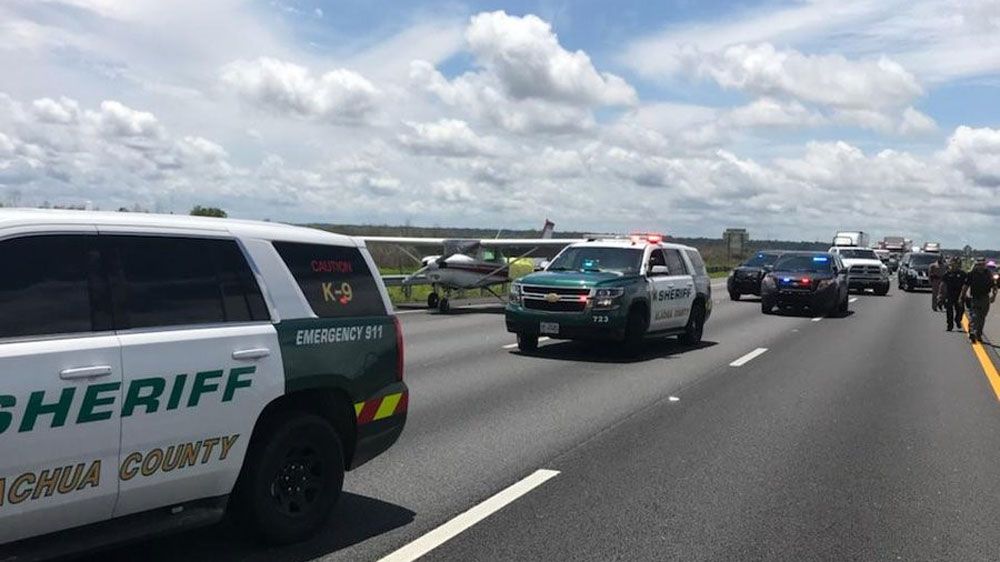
(982,290)
(934,273)
(951,289)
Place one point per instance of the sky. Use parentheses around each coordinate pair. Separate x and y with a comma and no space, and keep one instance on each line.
(793,119)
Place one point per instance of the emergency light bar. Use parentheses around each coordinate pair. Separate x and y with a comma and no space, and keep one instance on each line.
(651,237)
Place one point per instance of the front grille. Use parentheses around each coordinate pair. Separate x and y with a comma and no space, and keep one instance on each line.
(865,270)
(558,306)
(540,290)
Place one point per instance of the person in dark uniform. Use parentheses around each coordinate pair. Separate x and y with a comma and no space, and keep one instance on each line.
(951,288)
(981,290)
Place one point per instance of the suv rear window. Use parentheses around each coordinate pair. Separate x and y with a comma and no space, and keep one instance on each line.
(180,281)
(335,279)
(46,286)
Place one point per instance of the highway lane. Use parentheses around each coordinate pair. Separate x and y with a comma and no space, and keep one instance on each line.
(870,437)
(483,417)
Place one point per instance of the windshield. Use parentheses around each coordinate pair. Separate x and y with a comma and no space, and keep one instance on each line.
(588,258)
(859,254)
(760,260)
(804,263)
(923,259)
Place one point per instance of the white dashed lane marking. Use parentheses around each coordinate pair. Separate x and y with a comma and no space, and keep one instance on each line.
(453,528)
(853,299)
(748,357)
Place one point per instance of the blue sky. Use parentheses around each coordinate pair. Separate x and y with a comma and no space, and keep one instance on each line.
(791,118)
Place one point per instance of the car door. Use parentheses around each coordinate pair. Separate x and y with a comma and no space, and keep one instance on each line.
(60,384)
(201,361)
(681,288)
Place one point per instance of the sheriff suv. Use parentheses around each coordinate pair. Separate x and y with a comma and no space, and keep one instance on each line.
(620,289)
(159,371)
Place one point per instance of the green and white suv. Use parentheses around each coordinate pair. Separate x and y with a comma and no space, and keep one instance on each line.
(157,371)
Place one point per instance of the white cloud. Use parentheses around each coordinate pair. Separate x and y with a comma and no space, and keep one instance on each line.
(116,119)
(339,96)
(446,137)
(976,154)
(525,56)
(526,81)
(770,112)
(452,191)
(830,80)
(915,122)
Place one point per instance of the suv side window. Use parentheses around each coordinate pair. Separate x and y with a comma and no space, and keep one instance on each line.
(656,258)
(697,262)
(675,263)
(50,285)
(165,281)
(335,280)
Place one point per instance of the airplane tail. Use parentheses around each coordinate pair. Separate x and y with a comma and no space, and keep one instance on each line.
(548,228)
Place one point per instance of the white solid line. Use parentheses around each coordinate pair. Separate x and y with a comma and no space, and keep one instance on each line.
(452,528)
(852,299)
(748,357)
(817,319)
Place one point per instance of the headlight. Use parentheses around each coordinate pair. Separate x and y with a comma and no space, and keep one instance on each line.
(606,297)
(768,282)
(515,293)
(885,271)
(824,283)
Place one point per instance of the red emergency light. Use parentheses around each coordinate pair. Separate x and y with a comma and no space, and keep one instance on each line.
(651,237)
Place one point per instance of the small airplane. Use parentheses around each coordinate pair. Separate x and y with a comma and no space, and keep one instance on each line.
(467,263)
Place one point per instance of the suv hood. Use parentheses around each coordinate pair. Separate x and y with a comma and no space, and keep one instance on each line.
(568,278)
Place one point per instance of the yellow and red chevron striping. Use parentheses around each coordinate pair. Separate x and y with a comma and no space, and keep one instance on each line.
(381,407)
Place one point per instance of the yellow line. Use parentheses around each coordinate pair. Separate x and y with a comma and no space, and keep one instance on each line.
(984,360)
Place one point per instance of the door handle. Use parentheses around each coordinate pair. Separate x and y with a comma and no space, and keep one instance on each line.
(85,372)
(251,354)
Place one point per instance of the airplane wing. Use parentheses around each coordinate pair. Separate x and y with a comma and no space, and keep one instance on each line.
(403,240)
(528,242)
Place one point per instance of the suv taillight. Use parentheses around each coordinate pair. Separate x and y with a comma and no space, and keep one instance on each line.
(399,348)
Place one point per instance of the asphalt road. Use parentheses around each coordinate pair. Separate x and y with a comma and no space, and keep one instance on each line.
(870,436)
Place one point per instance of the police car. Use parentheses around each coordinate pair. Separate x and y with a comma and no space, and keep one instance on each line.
(161,370)
(618,289)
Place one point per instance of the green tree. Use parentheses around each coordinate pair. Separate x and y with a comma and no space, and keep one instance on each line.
(199,211)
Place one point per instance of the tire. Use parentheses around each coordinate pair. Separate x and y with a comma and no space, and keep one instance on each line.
(844,305)
(432,300)
(695,328)
(527,342)
(444,306)
(734,296)
(766,306)
(635,332)
(882,291)
(291,479)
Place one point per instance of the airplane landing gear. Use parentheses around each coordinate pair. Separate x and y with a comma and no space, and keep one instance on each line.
(433,300)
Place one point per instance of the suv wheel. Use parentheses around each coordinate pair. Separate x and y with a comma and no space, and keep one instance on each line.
(766,305)
(733,295)
(291,479)
(635,332)
(696,325)
(843,306)
(527,342)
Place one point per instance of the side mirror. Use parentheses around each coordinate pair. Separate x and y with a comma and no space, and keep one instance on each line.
(659,270)
(542,265)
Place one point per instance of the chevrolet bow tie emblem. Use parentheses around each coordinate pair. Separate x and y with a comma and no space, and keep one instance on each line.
(552,297)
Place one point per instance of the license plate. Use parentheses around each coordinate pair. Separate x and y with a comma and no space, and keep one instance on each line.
(548,328)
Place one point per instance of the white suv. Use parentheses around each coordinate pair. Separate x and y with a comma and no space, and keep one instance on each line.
(158,370)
